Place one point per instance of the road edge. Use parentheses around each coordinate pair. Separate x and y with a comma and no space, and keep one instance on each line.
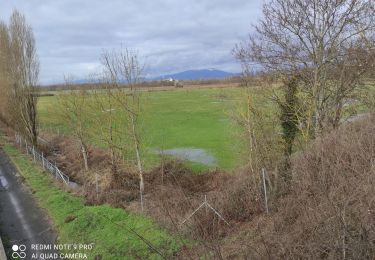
(2,251)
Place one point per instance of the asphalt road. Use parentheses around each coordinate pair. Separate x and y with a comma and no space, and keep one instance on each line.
(22,222)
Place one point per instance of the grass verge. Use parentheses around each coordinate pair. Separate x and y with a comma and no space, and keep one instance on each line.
(115,233)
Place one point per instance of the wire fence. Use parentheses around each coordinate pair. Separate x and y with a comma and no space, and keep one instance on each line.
(52,129)
(45,163)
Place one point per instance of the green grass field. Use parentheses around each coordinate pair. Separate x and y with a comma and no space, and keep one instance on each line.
(197,118)
(175,119)
(184,118)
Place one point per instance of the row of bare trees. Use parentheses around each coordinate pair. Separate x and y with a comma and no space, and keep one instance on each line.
(110,113)
(19,72)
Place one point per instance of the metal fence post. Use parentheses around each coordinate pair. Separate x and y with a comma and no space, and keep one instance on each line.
(34,153)
(43,161)
(55,171)
(265,190)
(97,186)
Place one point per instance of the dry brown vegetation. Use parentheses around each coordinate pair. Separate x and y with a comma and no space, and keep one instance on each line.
(329,209)
(172,191)
(326,212)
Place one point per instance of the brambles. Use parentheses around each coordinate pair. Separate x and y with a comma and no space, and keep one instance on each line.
(328,212)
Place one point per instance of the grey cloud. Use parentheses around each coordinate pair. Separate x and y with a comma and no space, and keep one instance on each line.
(171,35)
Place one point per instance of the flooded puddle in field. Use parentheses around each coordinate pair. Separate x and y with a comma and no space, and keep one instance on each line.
(190,154)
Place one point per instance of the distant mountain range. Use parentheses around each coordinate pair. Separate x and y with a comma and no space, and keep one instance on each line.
(197,74)
(203,74)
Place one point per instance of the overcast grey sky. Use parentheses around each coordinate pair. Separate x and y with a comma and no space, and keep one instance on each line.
(172,35)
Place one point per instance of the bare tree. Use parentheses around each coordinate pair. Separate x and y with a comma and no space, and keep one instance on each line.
(106,129)
(74,111)
(125,66)
(24,73)
(328,43)
(258,130)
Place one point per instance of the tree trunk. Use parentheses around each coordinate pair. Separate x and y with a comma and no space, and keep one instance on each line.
(85,156)
(138,157)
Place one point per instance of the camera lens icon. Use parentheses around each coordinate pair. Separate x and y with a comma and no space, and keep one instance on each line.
(19,251)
